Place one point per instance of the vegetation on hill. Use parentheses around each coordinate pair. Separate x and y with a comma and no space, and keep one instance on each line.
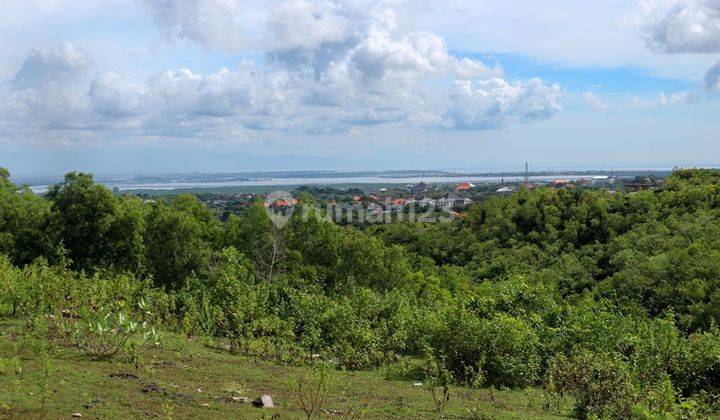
(185,378)
(607,300)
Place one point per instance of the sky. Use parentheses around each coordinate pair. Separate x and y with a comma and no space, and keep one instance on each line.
(156,86)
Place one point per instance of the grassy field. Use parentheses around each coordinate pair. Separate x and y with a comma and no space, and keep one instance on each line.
(192,379)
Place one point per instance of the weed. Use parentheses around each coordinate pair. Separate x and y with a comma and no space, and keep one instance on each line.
(45,379)
(472,378)
(167,409)
(104,336)
(438,379)
(12,368)
(311,391)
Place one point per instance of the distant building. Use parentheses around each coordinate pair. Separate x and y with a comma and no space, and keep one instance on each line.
(505,190)
(464,186)
(452,202)
(427,202)
(420,187)
(282,203)
(638,184)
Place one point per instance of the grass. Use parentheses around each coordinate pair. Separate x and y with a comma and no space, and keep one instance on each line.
(189,379)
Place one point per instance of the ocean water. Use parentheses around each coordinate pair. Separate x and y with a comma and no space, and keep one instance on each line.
(389,180)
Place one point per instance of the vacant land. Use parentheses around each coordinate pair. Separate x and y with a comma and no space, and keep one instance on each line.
(194,379)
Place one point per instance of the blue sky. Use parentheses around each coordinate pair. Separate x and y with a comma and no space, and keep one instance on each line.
(222,85)
(620,79)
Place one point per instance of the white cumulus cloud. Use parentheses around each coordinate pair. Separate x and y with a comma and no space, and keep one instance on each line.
(594,101)
(113,96)
(494,102)
(682,26)
(211,23)
(58,64)
(326,66)
(663,99)
(712,78)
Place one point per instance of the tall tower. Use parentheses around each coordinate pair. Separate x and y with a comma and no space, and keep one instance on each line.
(527,177)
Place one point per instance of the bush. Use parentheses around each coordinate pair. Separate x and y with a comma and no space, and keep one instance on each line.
(511,352)
(699,366)
(102,336)
(505,349)
(600,383)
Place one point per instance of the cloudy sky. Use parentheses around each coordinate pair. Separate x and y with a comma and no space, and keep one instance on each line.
(139,86)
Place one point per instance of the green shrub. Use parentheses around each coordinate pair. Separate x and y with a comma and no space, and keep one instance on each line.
(600,383)
(504,349)
(699,366)
(104,335)
(511,352)
(12,369)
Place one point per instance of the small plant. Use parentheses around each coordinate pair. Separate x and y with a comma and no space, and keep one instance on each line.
(482,413)
(493,403)
(438,379)
(399,370)
(11,368)
(388,360)
(45,379)
(355,412)
(550,402)
(472,379)
(105,336)
(401,403)
(311,391)
(39,335)
(168,411)
(144,308)
(135,356)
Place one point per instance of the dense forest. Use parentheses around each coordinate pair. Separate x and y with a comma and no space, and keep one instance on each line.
(609,298)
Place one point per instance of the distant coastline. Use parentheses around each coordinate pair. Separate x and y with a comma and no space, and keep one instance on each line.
(264,181)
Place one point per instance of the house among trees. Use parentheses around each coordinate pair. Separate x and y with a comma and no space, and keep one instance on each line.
(282,203)
(427,201)
(464,186)
(420,187)
(453,201)
(398,202)
(638,184)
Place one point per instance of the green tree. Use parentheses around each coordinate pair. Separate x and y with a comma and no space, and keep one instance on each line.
(255,235)
(95,227)
(177,245)
(23,216)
